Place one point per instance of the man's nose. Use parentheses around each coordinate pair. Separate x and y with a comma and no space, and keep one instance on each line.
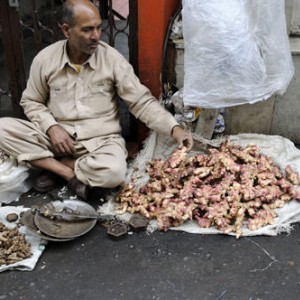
(96,33)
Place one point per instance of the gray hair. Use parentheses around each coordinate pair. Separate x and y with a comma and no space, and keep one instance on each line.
(66,13)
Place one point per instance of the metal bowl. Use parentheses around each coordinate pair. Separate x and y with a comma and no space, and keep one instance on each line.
(28,221)
(67,229)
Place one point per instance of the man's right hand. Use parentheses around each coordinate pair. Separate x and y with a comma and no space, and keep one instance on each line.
(61,141)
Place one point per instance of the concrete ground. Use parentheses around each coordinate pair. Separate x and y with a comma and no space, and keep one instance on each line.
(161,265)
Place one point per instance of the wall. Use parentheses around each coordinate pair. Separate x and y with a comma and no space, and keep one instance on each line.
(153,20)
(286,115)
(280,115)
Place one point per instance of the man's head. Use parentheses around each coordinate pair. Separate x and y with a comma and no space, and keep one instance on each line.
(81,25)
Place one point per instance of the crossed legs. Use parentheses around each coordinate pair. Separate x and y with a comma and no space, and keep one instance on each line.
(103,167)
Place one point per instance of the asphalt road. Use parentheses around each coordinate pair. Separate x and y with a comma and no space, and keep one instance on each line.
(169,265)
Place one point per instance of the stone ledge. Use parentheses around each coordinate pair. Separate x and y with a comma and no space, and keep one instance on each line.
(295,45)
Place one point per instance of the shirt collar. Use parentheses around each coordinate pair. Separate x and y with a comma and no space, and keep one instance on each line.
(65,59)
(92,61)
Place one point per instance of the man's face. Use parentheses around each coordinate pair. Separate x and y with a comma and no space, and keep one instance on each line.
(84,34)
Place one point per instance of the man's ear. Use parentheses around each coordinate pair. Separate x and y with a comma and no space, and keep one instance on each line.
(65,29)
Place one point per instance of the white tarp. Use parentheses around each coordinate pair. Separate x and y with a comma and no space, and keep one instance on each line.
(280,149)
(37,244)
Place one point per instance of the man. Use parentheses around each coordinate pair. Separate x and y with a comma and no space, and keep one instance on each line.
(70,100)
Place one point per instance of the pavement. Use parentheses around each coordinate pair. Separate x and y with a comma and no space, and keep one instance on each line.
(160,265)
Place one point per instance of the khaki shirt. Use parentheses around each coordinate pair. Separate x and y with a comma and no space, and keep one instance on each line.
(85,103)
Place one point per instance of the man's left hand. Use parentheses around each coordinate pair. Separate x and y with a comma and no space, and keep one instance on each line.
(182,137)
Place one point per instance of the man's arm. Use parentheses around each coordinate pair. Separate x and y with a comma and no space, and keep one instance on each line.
(143,105)
(35,96)
(34,102)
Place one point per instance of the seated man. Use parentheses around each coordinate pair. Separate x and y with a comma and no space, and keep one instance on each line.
(73,129)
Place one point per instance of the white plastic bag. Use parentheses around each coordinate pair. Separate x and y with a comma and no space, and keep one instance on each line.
(14,180)
(236,52)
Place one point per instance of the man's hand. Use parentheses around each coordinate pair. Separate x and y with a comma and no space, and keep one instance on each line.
(61,141)
(182,137)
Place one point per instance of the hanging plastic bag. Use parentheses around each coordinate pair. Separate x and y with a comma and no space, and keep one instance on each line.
(236,52)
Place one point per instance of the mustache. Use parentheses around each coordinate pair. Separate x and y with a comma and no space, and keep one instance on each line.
(94,43)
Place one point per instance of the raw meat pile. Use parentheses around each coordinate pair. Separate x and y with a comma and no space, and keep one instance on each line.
(13,245)
(229,187)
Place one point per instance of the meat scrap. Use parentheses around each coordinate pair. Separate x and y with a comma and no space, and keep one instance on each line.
(13,246)
(230,187)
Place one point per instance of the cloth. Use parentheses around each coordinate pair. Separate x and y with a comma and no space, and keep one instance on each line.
(280,149)
(14,179)
(105,166)
(85,104)
(37,244)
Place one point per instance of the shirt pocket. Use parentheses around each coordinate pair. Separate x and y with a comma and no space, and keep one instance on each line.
(58,102)
(101,96)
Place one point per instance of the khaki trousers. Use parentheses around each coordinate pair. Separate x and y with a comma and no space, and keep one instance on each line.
(104,167)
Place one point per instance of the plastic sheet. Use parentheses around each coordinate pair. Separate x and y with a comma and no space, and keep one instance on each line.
(236,52)
(280,149)
(37,244)
(14,180)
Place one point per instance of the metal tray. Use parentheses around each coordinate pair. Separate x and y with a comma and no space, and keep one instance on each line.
(64,229)
(28,221)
